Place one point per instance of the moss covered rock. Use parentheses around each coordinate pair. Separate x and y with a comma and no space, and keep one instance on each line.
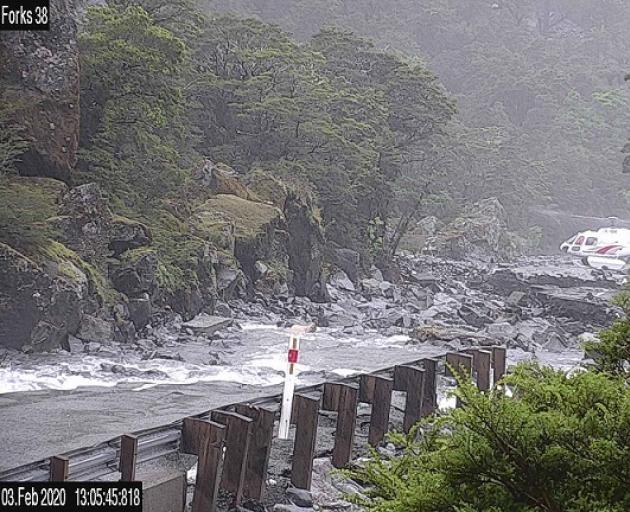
(37,312)
(267,187)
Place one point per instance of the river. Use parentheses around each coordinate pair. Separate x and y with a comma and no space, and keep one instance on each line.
(53,403)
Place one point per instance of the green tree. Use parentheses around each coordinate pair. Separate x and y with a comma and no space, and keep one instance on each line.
(515,67)
(133,137)
(559,444)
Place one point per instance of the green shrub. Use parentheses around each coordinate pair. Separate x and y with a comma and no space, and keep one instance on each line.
(560,444)
(26,204)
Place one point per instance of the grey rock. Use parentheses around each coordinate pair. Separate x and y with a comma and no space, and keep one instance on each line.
(140,311)
(300,497)
(517,298)
(576,306)
(207,325)
(349,262)
(370,287)
(95,329)
(224,310)
(472,316)
(74,345)
(341,280)
(555,343)
(260,268)
(376,274)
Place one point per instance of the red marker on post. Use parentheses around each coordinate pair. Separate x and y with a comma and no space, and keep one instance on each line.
(293,355)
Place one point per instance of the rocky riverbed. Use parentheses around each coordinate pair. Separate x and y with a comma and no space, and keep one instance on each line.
(540,308)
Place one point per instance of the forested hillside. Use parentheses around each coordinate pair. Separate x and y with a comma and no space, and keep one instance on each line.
(543,112)
(162,155)
(185,148)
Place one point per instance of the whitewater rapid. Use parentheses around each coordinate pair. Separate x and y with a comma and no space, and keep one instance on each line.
(256,356)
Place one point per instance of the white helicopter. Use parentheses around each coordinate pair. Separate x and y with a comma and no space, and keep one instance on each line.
(606,248)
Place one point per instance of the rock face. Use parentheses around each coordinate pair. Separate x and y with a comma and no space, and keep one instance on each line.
(478,233)
(37,312)
(281,235)
(259,229)
(305,247)
(40,73)
(88,227)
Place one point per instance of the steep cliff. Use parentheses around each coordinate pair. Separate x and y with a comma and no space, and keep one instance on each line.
(39,74)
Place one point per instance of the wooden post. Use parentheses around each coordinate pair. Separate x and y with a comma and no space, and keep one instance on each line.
(306,417)
(463,366)
(381,404)
(330,399)
(259,449)
(346,421)
(59,468)
(499,363)
(429,397)
(128,457)
(411,380)
(367,384)
(209,438)
(452,360)
(482,361)
(481,365)
(237,439)
(193,429)
(462,363)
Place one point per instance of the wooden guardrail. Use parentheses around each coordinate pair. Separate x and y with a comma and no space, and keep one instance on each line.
(233,444)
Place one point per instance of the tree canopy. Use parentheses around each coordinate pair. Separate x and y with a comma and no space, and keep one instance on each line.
(543,113)
(336,114)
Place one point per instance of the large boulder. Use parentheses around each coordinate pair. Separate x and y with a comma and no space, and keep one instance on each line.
(94,329)
(222,179)
(37,312)
(479,233)
(136,274)
(349,261)
(206,325)
(39,74)
(260,231)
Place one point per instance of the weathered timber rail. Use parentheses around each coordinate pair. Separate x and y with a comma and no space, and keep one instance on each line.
(233,443)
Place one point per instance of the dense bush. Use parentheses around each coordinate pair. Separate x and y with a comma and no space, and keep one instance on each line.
(560,444)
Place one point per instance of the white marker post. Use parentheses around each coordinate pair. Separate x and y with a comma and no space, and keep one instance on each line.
(289,380)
